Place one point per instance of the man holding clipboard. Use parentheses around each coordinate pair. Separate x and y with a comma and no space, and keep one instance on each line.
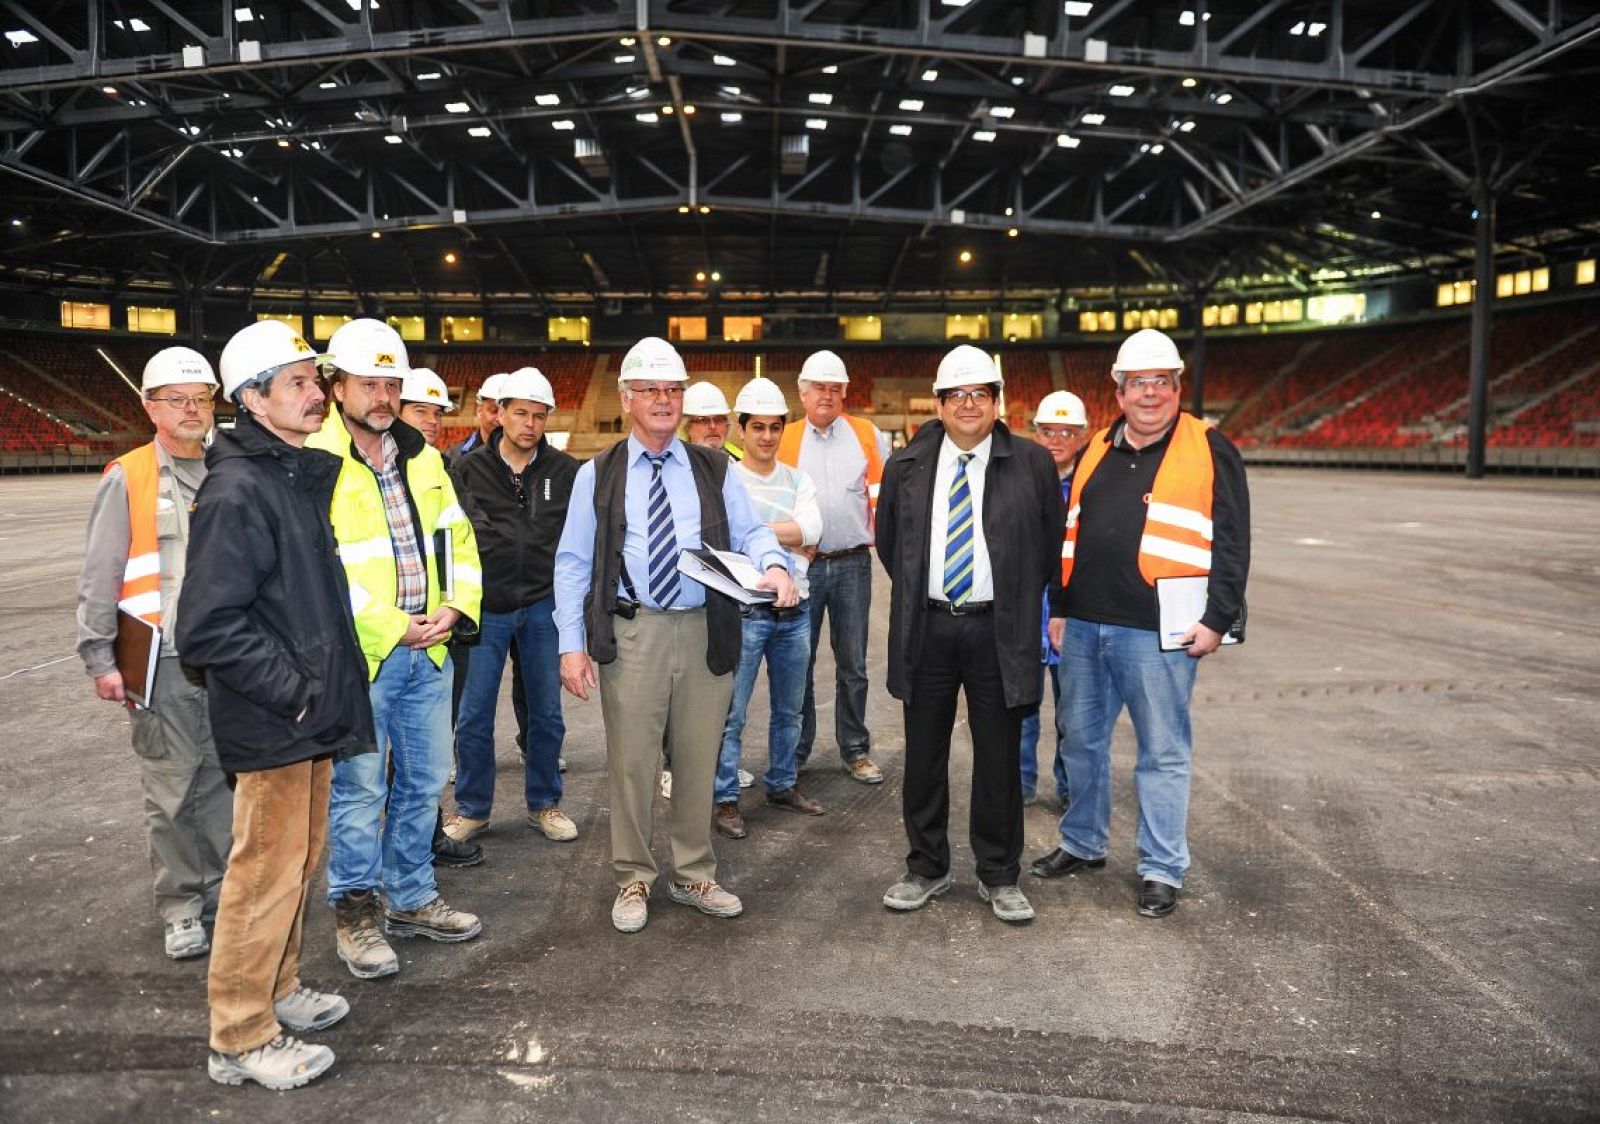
(1158,497)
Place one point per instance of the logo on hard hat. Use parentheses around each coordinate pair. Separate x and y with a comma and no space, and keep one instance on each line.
(433,392)
(302,346)
(383,359)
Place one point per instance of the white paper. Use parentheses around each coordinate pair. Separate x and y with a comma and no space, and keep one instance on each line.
(740,586)
(1182,602)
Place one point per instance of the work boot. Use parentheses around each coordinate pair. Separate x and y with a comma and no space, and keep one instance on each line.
(305,1010)
(357,938)
(434,920)
(283,1063)
(728,821)
(186,939)
(447,852)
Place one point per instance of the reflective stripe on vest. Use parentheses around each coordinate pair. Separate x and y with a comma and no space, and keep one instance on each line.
(866,436)
(1177,524)
(141,575)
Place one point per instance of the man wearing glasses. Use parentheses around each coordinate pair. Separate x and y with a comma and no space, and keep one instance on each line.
(1157,494)
(516,488)
(134,563)
(969,529)
(666,652)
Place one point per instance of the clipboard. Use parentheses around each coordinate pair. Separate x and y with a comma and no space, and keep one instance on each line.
(1182,601)
(730,574)
(137,650)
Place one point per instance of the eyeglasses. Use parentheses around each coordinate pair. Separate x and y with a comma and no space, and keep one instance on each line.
(1149,382)
(979,396)
(671,391)
(181,401)
(1060,432)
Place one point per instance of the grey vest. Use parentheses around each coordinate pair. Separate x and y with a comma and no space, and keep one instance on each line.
(724,634)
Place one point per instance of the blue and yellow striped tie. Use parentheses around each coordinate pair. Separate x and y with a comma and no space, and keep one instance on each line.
(958,537)
(662,536)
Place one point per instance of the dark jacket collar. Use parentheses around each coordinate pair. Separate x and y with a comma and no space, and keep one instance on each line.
(927,440)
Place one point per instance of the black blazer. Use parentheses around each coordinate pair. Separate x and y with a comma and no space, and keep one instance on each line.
(1023,522)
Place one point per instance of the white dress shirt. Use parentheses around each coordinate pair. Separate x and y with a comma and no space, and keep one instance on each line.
(982,575)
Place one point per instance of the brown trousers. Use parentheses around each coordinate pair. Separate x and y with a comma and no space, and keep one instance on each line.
(280,822)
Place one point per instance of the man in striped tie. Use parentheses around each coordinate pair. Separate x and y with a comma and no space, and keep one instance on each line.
(969,529)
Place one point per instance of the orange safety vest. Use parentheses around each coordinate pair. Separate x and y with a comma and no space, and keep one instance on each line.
(866,435)
(141,576)
(1177,521)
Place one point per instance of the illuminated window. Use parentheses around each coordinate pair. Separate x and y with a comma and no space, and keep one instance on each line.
(1585,274)
(1446,296)
(1088,321)
(1465,291)
(290,318)
(1252,312)
(741,329)
(867,329)
(461,329)
(1541,279)
(157,321)
(1022,326)
(1337,308)
(1130,319)
(323,327)
(1108,321)
(1168,318)
(686,328)
(964,326)
(82,314)
(409,327)
(1505,285)
(1220,315)
(568,329)
(1524,282)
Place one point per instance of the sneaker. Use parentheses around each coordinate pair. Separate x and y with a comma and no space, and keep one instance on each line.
(793,800)
(1008,902)
(746,779)
(707,897)
(726,819)
(435,920)
(862,769)
(283,1063)
(357,939)
(304,1010)
(186,939)
(632,908)
(462,828)
(666,784)
(555,824)
(914,891)
(561,764)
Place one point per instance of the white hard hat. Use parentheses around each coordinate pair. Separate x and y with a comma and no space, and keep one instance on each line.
(423,385)
(258,351)
(704,400)
(1146,350)
(966,365)
(176,365)
(653,358)
(762,397)
(1061,407)
(823,366)
(527,383)
(368,349)
(490,390)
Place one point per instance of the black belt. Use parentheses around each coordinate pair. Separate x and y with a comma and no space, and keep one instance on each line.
(970,609)
(774,612)
(830,555)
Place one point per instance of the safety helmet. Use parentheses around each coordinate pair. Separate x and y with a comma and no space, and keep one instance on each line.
(1146,350)
(653,358)
(368,349)
(490,390)
(1061,407)
(527,383)
(966,365)
(704,400)
(258,351)
(423,385)
(761,397)
(823,366)
(176,365)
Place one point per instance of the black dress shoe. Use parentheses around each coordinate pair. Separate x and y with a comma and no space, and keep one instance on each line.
(1059,862)
(1157,899)
(447,852)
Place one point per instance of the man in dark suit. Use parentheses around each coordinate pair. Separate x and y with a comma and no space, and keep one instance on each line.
(969,529)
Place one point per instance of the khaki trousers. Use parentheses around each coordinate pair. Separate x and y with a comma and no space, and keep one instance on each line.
(280,822)
(659,683)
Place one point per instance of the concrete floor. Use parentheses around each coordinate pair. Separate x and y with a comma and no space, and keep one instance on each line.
(1391,915)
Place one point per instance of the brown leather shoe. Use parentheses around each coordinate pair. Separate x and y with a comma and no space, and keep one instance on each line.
(728,821)
(793,800)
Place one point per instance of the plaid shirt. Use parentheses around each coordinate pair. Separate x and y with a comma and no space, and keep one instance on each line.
(410,564)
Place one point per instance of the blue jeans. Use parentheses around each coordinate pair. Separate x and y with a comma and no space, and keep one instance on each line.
(534,628)
(411,714)
(1105,667)
(841,587)
(786,645)
(1030,738)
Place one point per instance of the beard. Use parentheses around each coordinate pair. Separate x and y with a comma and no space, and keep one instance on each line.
(368,424)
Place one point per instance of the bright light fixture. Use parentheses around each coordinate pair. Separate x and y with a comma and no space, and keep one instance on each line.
(732,91)
(637,92)
(565,125)
(392,139)
(547,99)
(816,123)
(1078,8)
(457,107)
(1377,214)
(900,130)
(1316,29)
(627,41)
(1189,83)
(429,76)
(1157,149)
(1094,118)
(820,99)
(243,15)
(930,75)
(1064,140)
(984,135)
(646,118)
(1186,127)
(1121,91)
(664,41)
(622,60)
(1224,99)
(1019,80)
(723,60)
(112,90)
(480,131)
(1004,112)
(327,85)
(831,68)
(911,105)
(732,118)
(1299,28)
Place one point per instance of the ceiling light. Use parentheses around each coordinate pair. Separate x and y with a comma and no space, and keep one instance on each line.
(911,105)
(1298,29)
(1157,149)
(1121,91)
(646,118)
(135,24)
(1078,8)
(547,99)
(1186,127)
(1012,232)
(664,41)
(622,60)
(450,258)
(377,234)
(1019,80)
(955,3)
(637,92)
(704,210)
(724,60)
(700,275)
(355,5)
(732,118)
(1189,83)
(1316,29)
(732,91)
(111,90)
(1224,99)
(1094,118)
(392,139)
(900,130)
(669,110)
(688,111)
(1063,140)
(457,107)
(984,135)
(816,123)
(283,142)
(480,131)
(627,40)
(1186,18)
(429,76)
(964,257)
(243,15)
(1004,112)
(715,276)
(565,125)
(327,85)
(930,75)
(831,68)
(820,99)
(683,208)
(1377,214)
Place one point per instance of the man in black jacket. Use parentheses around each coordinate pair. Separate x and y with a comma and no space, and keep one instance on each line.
(969,530)
(515,489)
(267,619)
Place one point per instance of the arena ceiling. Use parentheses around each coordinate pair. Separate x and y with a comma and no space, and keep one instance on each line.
(821,154)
